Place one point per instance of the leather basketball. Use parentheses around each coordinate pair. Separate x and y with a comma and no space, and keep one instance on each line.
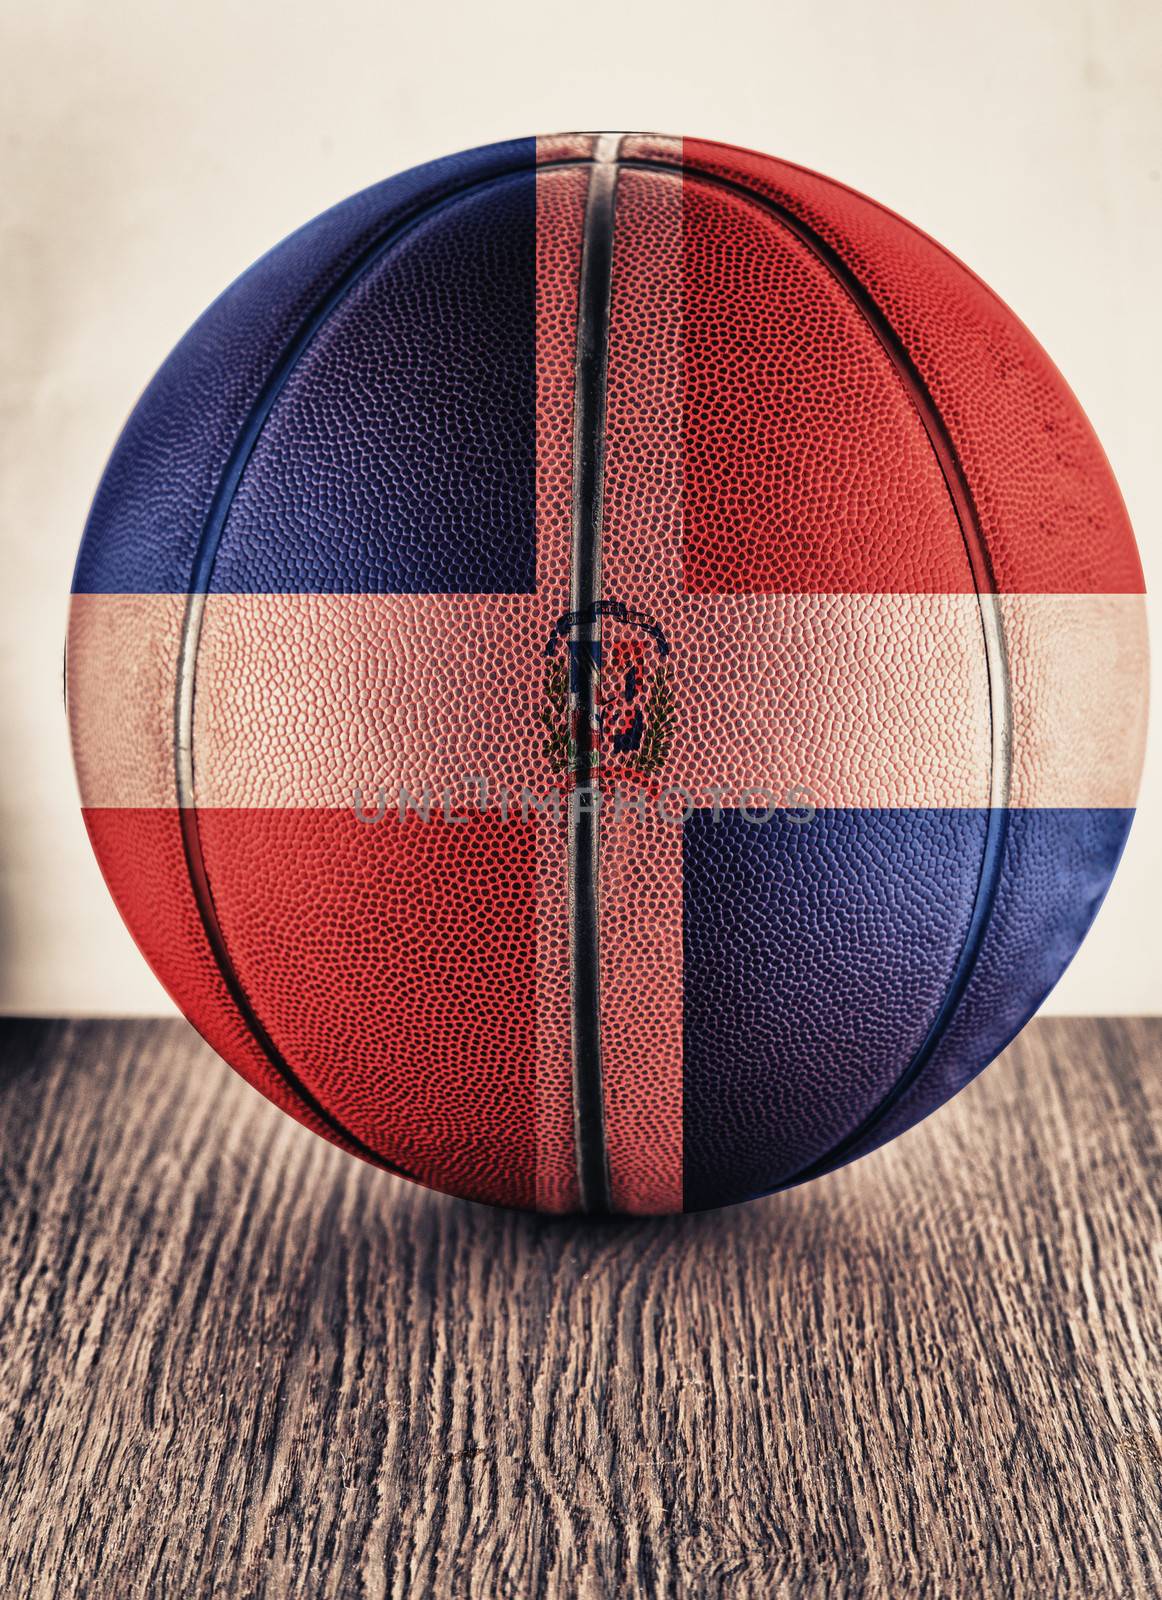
(608,672)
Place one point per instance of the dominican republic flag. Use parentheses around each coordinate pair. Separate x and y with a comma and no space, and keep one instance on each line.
(616,393)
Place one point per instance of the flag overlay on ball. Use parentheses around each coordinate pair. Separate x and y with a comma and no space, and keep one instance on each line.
(608,671)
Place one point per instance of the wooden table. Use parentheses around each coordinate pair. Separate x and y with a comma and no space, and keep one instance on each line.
(234,1361)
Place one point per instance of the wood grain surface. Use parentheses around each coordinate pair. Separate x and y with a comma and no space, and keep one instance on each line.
(236,1362)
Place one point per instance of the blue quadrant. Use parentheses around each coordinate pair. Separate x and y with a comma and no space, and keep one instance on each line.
(460,360)
(817,957)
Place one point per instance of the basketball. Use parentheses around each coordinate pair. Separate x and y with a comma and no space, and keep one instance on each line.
(607,673)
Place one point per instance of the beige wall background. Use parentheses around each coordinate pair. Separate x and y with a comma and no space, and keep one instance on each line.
(151,151)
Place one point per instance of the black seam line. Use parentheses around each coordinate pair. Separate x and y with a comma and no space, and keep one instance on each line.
(992,628)
(200,576)
(591,1151)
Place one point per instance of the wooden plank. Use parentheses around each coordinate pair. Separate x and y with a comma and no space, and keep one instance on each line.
(234,1361)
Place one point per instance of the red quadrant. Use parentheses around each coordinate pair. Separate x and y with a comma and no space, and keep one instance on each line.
(393,964)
